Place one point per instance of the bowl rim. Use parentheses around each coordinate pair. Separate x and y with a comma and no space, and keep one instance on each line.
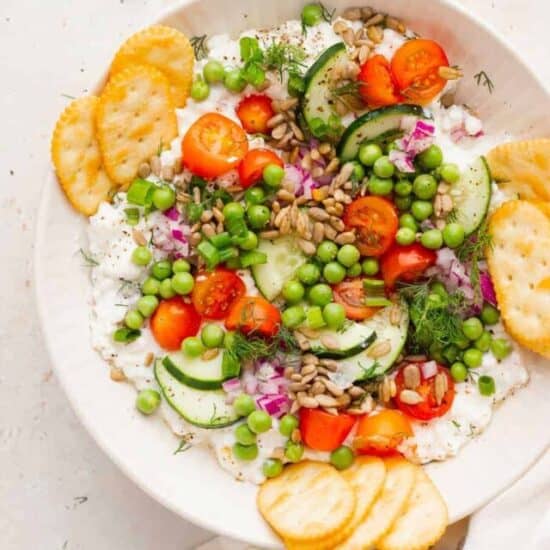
(103,442)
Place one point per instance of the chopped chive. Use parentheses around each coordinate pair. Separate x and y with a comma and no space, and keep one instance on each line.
(132,215)
(373,284)
(233,263)
(140,192)
(126,335)
(377,301)
(486,385)
(209,253)
(314,318)
(221,240)
(254,257)
(236,225)
(228,254)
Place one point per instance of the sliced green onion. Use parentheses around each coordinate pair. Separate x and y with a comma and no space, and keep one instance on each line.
(254,74)
(373,284)
(250,49)
(314,317)
(254,257)
(486,385)
(228,254)
(318,127)
(132,215)
(221,240)
(126,335)
(209,253)
(377,301)
(233,263)
(140,192)
(236,226)
(194,212)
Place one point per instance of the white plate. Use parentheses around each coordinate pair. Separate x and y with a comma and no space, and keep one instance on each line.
(191,484)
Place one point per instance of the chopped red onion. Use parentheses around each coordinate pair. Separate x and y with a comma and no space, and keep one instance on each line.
(249,382)
(402,161)
(269,387)
(429,369)
(231,385)
(172,214)
(178,235)
(274,405)
(487,288)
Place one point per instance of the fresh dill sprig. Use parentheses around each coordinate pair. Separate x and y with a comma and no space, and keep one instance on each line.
(251,348)
(68,96)
(88,258)
(349,88)
(283,57)
(452,216)
(199,46)
(185,444)
(482,79)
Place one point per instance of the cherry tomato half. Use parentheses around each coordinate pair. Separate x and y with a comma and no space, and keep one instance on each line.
(415,69)
(253,314)
(405,263)
(323,431)
(253,164)
(351,295)
(429,408)
(214,292)
(173,321)
(213,145)
(254,112)
(378,87)
(379,434)
(376,222)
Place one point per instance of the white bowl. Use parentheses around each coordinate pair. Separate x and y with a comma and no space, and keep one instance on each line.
(191,484)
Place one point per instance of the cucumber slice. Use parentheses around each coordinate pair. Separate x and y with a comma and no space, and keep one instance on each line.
(203,408)
(471,195)
(201,374)
(284,257)
(354,339)
(362,367)
(317,102)
(376,125)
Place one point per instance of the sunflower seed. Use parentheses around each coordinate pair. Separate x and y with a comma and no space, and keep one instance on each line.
(288,372)
(330,232)
(308,378)
(395,25)
(333,388)
(208,230)
(275,120)
(446,203)
(332,166)
(345,238)
(352,14)
(379,349)
(325,148)
(296,377)
(117,374)
(308,369)
(307,247)
(218,214)
(155,165)
(283,105)
(285,195)
(296,436)
(366,13)
(440,387)
(411,375)
(317,388)
(318,232)
(329,341)
(303,342)
(367,405)
(279,131)
(318,214)
(410,397)
(337,223)
(285,225)
(206,216)
(395,315)
(149,358)
(450,73)
(374,20)
(294,408)
(306,401)
(139,237)
(363,54)
(297,386)
(356,391)
(339,26)
(195,239)
(167,173)
(310,359)
(144,170)
(384,390)
(375,33)
(343,400)
(326,401)
(297,131)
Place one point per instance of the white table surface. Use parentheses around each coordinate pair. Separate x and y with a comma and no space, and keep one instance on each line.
(57,489)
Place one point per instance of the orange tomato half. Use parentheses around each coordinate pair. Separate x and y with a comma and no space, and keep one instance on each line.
(378,87)
(380,434)
(323,431)
(254,112)
(252,167)
(254,315)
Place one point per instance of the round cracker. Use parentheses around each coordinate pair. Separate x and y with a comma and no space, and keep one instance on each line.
(164,48)
(135,116)
(77,157)
(308,501)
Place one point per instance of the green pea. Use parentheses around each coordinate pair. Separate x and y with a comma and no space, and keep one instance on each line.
(461,342)
(244,404)
(181,266)
(348,255)
(327,251)
(294,451)
(453,235)
(212,335)
(459,372)
(472,328)
(273,175)
(342,457)
(200,89)
(403,203)
(150,287)
(490,315)
(408,221)
(166,290)
(312,14)
(183,283)
(133,319)
(436,301)
(147,305)
(432,239)
(192,346)
(436,352)
(383,168)
(147,401)
(309,274)
(450,354)
(439,288)
(164,197)
(421,210)
(472,358)
(233,210)
(254,195)
(288,424)
(213,71)
(403,188)
(272,467)
(358,172)
(405,236)
(141,256)
(334,273)
(501,348)
(370,266)
(293,291)
(161,270)
(245,452)
(293,316)
(258,215)
(250,241)
(234,81)
(194,212)
(259,422)
(380,186)
(483,343)
(450,172)
(431,158)
(334,315)
(369,153)
(425,186)
(320,295)
(355,270)
(244,435)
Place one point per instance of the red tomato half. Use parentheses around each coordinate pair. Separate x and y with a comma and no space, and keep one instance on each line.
(213,145)
(253,314)
(405,263)
(323,431)
(254,111)
(378,87)
(379,434)
(351,295)
(253,164)
(415,69)
(214,292)
(173,321)
(376,222)
(429,408)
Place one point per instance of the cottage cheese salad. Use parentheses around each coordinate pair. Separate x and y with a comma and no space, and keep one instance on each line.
(298,270)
